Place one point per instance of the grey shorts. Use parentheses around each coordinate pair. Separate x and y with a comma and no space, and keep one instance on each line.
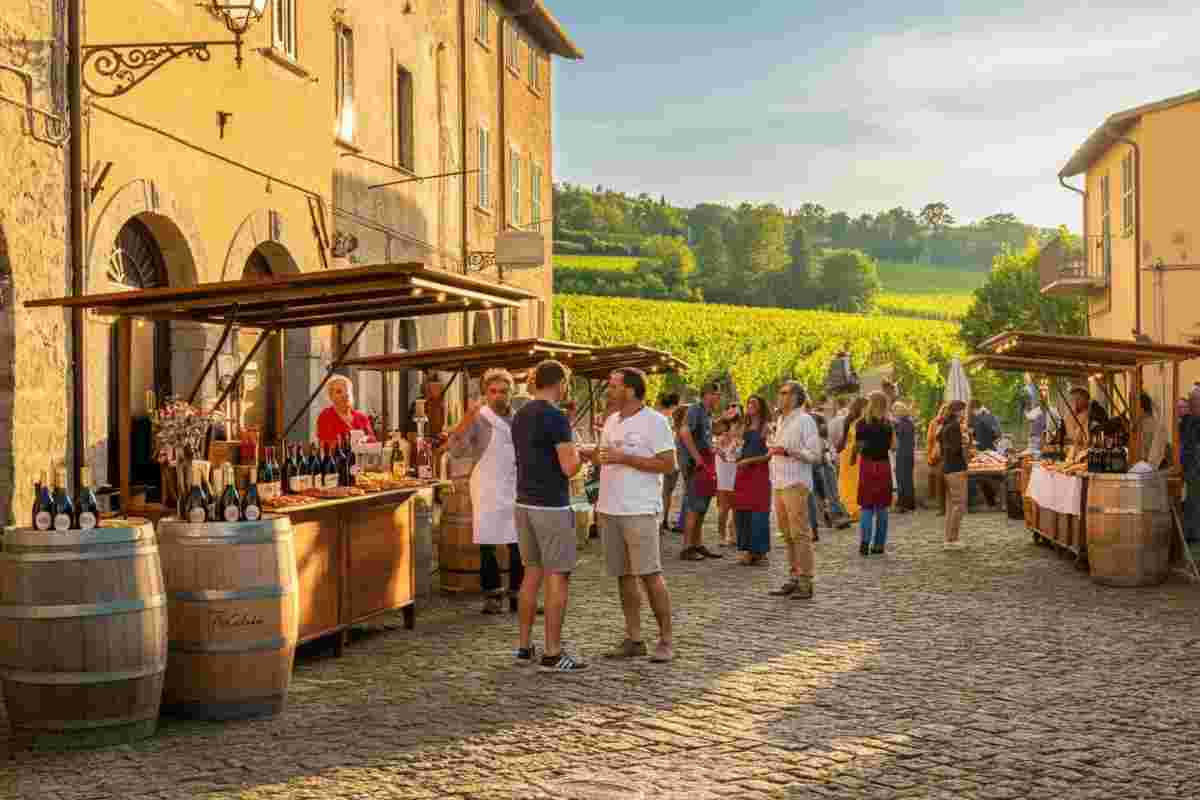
(547,538)
(632,544)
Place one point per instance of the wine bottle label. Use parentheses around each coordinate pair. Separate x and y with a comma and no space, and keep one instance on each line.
(253,513)
(232,513)
(87,520)
(331,481)
(196,514)
(266,490)
(62,522)
(295,484)
(44,521)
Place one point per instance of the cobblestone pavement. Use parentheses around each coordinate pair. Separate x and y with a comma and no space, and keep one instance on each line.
(997,672)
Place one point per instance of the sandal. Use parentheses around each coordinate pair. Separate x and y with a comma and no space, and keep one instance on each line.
(690,554)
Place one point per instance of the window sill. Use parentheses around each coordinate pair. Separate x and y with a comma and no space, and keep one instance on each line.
(284,60)
(483,210)
(346,145)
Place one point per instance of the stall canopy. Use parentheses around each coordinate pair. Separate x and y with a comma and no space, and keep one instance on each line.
(516,356)
(305,300)
(600,363)
(1091,354)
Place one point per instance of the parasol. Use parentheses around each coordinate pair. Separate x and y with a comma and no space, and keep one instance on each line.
(957,385)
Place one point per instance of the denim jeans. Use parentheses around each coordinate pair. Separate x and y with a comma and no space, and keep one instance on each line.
(874,524)
(812,510)
(830,478)
(489,569)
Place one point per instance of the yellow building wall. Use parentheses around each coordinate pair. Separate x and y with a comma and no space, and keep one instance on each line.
(210,197)
(1170,172)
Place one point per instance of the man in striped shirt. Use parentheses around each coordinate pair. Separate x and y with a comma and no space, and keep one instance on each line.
(794,448)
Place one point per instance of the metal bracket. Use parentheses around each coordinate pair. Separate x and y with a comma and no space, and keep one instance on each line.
(480,260)
(230,319)
(121,67)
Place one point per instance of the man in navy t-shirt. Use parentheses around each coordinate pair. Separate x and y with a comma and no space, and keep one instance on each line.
(546,460)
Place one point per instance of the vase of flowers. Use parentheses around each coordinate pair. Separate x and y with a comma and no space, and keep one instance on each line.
(181,433)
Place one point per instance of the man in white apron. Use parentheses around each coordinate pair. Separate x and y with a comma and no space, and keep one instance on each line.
(485,437)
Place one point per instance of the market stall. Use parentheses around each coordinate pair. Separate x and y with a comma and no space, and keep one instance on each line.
(1088,495)
(458,555)
(353,543)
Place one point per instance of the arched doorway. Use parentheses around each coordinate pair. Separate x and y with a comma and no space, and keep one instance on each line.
(137,262)
(256,400)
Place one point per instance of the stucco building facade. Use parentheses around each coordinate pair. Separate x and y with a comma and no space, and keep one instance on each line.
(208,171)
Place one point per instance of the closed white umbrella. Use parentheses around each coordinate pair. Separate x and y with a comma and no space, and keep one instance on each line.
(957,385)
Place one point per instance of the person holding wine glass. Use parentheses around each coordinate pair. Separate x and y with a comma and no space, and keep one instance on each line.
(340,418)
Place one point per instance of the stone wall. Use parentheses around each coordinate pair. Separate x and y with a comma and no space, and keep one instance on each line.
(34,376)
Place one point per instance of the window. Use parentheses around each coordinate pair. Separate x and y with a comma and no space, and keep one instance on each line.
(514,162)
(512,47)
(1127,210)
(535,196)
(344,84)
(535,71)
(481,22)
(485,173)
(284,13)
(1106,223)
(405,151)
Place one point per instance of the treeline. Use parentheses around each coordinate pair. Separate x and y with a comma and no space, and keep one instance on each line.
(762,254)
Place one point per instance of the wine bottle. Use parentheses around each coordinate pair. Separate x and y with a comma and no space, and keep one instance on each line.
(86,507)
(289,469)
(210,493)
(231,504)
(303,473)
(263,478)
(43,506)
(276,478)
(352,461)
(398,468)
(314,465)
(252,502)
(340,465)
(329,469)
(195,510)
(64,509)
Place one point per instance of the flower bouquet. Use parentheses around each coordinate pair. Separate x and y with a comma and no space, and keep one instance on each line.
(180,436)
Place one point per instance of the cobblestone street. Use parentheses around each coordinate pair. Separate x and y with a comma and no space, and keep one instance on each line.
(996,672)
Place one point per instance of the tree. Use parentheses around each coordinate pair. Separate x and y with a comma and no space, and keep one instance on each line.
(674,257)
(1012,300)
(937,216)
(849,280)
(713,268)
(798,287)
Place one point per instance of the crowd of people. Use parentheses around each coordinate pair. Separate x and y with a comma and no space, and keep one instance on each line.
(838,462)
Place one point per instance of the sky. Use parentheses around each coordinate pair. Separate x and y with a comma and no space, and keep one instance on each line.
(857,106)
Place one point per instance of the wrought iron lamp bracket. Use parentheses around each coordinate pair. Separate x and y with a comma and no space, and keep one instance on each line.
(121,67)
(478,261)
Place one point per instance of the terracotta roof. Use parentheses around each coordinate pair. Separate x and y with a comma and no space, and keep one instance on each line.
(549,31)
(1117,125)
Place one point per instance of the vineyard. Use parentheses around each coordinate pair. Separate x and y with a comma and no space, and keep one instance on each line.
(759,347)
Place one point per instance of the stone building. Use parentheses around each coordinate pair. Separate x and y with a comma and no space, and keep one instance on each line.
(34,389)
(209,170)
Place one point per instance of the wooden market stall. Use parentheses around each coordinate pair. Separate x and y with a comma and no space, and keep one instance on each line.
(353,554)
(1120,523)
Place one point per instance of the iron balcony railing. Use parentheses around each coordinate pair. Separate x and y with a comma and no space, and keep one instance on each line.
(1085,265)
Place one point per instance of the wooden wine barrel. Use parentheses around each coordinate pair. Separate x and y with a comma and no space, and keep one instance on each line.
(234,616)
(458,555)
(1012,485)
(83,635)
(1129,528)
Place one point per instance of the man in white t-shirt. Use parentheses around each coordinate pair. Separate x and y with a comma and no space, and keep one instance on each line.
(637,448)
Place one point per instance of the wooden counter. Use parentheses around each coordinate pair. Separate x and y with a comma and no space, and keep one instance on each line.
(354,560)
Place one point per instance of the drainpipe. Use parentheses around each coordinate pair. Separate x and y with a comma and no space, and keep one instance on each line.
(1087,319)
(76,227)
(466,200)
(1137,229)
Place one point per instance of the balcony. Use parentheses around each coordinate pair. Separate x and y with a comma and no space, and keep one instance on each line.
(1067,270)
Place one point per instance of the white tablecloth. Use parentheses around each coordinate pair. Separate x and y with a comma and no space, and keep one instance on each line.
(1055,491)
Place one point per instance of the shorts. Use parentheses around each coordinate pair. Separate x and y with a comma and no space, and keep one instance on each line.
(632,545)
(547,538)
(693,503)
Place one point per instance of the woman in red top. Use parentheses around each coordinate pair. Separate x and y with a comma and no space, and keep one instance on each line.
(340,418)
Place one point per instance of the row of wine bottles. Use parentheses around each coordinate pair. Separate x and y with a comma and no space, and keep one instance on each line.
(222,503)
(311,468)
(54,510)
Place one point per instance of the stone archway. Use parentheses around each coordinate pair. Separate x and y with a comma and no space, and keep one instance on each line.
(264,231)
(171,221)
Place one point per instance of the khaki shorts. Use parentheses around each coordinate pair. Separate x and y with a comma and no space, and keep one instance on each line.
(547,538)
(632,544)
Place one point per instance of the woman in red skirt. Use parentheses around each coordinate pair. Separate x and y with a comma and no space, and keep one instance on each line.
(874,439)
